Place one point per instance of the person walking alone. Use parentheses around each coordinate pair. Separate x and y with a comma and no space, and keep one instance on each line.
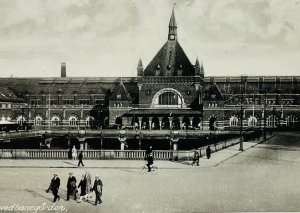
(196,158)
(54,186)
(80,156)
(149,158)
(98,189)
(208,152)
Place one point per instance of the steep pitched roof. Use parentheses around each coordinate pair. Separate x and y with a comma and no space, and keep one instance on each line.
(212,92)
(170,56)
(120,93)
(7,95)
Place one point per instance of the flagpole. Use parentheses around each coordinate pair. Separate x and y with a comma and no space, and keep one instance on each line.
(253,106)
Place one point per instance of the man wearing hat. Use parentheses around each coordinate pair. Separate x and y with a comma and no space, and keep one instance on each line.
(98,189)
(88,178)
(71,186)
(54,186)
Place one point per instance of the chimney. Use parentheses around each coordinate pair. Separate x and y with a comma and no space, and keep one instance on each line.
(63,72)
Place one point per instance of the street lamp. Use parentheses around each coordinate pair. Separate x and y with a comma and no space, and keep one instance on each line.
(274,119)
(265,104)
(243,81)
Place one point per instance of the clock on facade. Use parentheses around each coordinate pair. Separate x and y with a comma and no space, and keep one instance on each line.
(172,37)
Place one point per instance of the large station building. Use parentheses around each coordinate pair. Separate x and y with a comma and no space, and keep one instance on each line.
(169,93)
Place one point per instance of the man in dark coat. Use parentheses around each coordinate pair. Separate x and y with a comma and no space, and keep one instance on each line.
(196,158)
(148,151)
(98,189)
(80,156)
(70,154)
(208,152)
(82,185)
(88,178)
(54,186)
(71,186)
(149,158)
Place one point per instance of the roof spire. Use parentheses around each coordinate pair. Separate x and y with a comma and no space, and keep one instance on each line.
(197,63)
(172,26)
(197,67)
(202,70)
(172,19)
(140,68)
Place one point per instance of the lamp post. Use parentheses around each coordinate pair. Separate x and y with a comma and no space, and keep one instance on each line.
(243,81)
(265,104)
(274,119)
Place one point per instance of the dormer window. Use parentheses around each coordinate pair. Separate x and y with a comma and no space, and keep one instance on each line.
(119,96)
(157,71)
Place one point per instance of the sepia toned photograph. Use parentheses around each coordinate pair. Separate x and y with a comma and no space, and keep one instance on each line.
(146,106)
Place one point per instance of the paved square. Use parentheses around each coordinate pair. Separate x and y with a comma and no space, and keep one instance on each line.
(265,177)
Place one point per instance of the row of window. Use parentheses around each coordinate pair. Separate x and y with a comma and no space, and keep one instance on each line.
(5,106)
(214,104)
(118,105)
(66,101)
(55,120)
(267,101)
(270,121)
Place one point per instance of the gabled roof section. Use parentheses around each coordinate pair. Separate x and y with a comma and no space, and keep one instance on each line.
(120,93)
(170,57)
(7,95)
(212,93)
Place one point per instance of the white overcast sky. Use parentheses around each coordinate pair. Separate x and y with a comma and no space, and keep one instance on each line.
(107,37)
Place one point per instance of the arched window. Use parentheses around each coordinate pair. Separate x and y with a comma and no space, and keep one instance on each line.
(271,121)
(252,121)
(89,121)
(168,98)
(233,121)
(38,120)
(55,120)
(21,120)
(72,121)
(291,120)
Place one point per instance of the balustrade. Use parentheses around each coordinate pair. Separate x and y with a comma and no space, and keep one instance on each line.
(111,154)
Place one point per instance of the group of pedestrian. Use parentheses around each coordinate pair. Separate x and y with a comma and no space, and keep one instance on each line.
(196,156)
(85,186)
(72,153)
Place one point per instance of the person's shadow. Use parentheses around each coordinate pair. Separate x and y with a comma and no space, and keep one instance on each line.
(39,194)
